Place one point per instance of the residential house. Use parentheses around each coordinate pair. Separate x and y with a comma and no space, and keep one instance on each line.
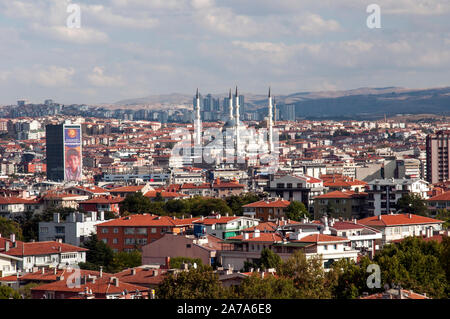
(223,226)
(398,226)
(132,232)
(42,254)
(267,209)
(74,230)
(340,203)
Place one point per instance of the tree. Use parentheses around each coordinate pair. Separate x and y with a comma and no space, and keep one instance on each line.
(235,202)
(414,264)
(308,276)
(348,280)
(269,259)
(445,260)
(200,283)
(99,254)
(9,227)
(8,293)
(296,211)
(444,214)
(412,204)
(25,291)
(269,287)
(136,203)
(124,260)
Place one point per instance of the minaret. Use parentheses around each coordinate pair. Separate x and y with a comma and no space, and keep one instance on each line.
(270,122)
(230,103)
(198,123)
(237,122)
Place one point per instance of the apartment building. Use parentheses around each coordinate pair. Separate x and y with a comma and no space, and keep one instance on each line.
(383,194)
(438,157)
(132,232)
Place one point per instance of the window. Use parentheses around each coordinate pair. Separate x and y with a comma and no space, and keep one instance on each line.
(153,230)
(105,240)
(141,241)
(188,245)
(44,230)
(129,241)
(116,230)
(142,231)
(325,247)
(59,229)
(335,246)
(104,230)
(114,240)
(129,230)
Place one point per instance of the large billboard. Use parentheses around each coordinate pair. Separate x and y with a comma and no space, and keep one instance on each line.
(73,162)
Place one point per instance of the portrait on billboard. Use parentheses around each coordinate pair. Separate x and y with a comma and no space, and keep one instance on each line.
(72,154)
(73,163)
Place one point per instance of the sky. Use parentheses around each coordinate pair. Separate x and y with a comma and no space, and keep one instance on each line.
(135,48)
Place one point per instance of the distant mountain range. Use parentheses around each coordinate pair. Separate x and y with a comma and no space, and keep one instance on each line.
(356,103)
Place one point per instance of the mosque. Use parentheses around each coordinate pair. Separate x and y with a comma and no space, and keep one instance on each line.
(238,141)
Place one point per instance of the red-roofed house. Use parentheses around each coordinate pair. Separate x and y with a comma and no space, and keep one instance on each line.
(132,232)
(398,226)
(345,203)
(267,209)
(42,254)
(226,189)
(205,248)
(441,201)
(299,188)
(102,204)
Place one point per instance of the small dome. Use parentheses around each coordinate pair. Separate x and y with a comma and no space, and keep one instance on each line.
(230,123)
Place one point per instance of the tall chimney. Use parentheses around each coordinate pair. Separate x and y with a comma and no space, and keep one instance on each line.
(101,272)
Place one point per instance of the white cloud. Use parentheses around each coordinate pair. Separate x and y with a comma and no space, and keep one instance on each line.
(105,15)
(83,35)
(314,24)
(98,78)
(46,76)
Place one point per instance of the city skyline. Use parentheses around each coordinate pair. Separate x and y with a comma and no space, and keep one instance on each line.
(130,49)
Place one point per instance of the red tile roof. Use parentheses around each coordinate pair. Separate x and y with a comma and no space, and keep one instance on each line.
(212,221)
(14,200)
(38,248)
(127,189)
(271,203)
(101,286)
(320,238)
(442,197)
(142,276)
(164,194)
(103,200)
(145,220)
(340,194)
(397,219)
